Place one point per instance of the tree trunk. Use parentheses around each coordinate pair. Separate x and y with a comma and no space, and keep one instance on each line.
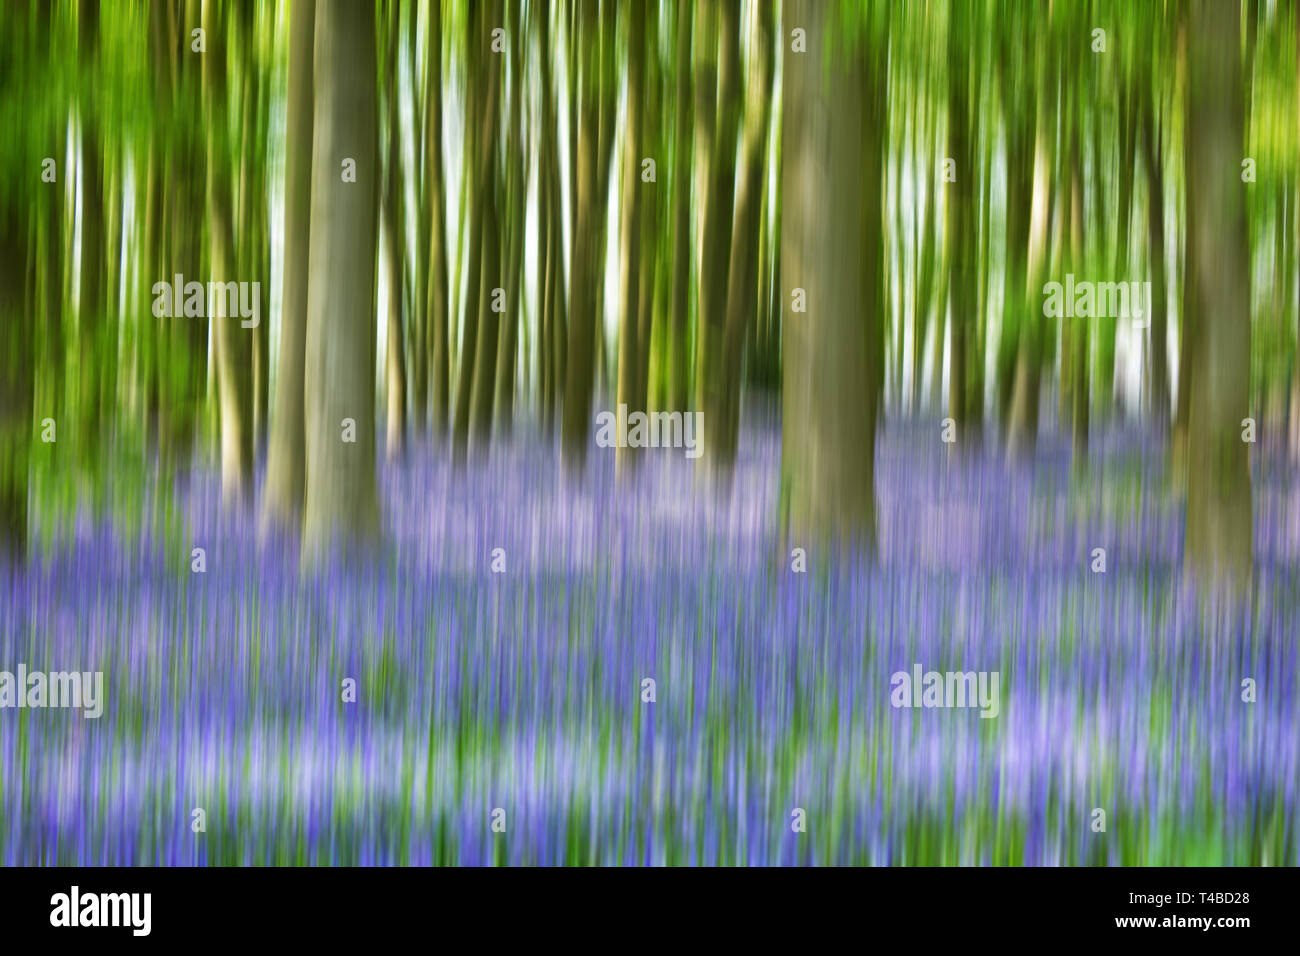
(630,245)
(91,299)
(715,247)
(517,205)
(960,233)
(437,307)
(342,500)
(286,458)
(479,155)
(742,283)
(15,382)
(1158,317)
(830,238)
(584,269)
(1219,530)
(394,238)
(680,330)
(233,343)
(483,383)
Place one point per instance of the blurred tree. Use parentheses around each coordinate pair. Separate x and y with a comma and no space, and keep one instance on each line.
(435,286)
(830,248)
(717,129)
(286,456)
(342,504)
(394,237)
(1219,519)
(233,343)
(629,344)
(742,282)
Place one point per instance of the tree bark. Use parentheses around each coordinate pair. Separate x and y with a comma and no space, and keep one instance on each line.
(716,241)
(233,343)
(437,307)
(394,238)
(286,457)
(742,283)
(680,330)
(1153,162)
(630,245)
(342,505)
(584,270)
(830,239)
(1219,535)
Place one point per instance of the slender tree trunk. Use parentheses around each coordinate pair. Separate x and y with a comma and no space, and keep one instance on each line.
(394,238)
(1153,160)
(742,288)
(1078,328)
(550,237)
(479,157)
(584,264)
(15,382)
(517,205)
(233,343)
(629,274)
(680,330)
(715,251)
(830,237)
(342,504)
(489,319)
(282,497)
(959,223)
(1290,273)
(1219,531)
(92,330)
(483,382)
(419,347)
(1022,423)
(437,308)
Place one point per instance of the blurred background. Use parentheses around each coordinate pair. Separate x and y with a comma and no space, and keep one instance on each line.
(990,314)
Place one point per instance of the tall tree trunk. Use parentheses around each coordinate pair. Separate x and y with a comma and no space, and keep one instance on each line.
(479,158)
(517,204)
(15,381)
(1078,327)
(394,238)
(92,331)
(742,283)
(1188,324)
(551,328)
(282,497)
(489,319)
(924,293)
(1026,398)
(1295,363)
(584,269)
(715,246)
(233,343)
(483,389)
(960,230)
(830,238)
(1219,518)
(680,330)
(630,246)
(1158,318)
(437,306)
(342,505)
